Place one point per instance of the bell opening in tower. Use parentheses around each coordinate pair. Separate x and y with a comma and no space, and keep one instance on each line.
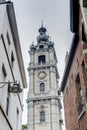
(41,59)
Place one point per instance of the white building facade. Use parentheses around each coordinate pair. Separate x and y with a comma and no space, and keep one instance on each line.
(11,69)
(43,101)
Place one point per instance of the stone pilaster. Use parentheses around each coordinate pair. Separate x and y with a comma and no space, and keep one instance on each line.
(31,83)
(55,114)
(30,118)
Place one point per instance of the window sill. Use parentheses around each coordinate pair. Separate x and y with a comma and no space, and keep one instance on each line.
(42,123)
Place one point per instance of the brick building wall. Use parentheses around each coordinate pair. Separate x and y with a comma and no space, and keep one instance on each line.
(72,118)
(74,83)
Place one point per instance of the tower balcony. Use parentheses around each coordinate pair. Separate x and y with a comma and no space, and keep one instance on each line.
(42,98)
(41,65)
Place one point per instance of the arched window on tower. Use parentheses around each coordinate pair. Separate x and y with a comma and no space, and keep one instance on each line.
(42,116)
(41,59)
(42,87)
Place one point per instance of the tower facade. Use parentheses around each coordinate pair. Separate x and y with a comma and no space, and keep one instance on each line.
(43,100)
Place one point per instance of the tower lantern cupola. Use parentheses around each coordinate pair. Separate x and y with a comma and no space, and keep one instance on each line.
(43,37)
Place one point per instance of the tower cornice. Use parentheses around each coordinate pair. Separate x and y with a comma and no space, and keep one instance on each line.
(42,98)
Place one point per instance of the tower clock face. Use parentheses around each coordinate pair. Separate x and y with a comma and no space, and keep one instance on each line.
(42,75)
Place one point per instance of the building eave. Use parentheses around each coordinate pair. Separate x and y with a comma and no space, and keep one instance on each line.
(73,48)
(74,16)
(13,25)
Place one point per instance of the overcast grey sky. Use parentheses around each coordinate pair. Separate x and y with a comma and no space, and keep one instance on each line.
(55,14)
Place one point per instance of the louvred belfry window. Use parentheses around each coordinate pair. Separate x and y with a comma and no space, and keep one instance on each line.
(41,59)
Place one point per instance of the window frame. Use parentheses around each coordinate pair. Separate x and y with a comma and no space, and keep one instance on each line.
(42,116)
(7,103)
(41,59)
(42,87)
(79,95)
(12,58)
(4,70)
(84,3)
(8,38)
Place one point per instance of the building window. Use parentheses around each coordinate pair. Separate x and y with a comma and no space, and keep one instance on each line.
(12,59)
(41,59)
(61,121)
(17,122)
(79,94)
(83,34)
(59,93)
(7,104)
(42,87)
(41,46)
(84,77)
(84,3)
(8,39)
(2,39)
(4,71)
(42,116)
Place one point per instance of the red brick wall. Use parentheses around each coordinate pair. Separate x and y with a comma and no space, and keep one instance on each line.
(73,122)
(70,93)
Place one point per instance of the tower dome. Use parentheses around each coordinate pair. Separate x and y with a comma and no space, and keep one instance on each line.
(43,37)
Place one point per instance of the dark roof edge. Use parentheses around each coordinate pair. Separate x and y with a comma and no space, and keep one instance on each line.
(5,2)
(13,24)
(74,16)
(74,45)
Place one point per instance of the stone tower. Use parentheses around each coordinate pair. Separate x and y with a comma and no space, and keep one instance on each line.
(43,100)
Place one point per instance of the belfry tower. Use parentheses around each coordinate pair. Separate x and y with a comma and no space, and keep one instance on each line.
(43,100)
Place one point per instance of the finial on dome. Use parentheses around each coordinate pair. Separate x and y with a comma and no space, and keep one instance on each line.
(43,37)
(42,29)
(42,24)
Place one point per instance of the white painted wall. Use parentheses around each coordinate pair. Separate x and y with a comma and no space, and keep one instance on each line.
(14,102)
